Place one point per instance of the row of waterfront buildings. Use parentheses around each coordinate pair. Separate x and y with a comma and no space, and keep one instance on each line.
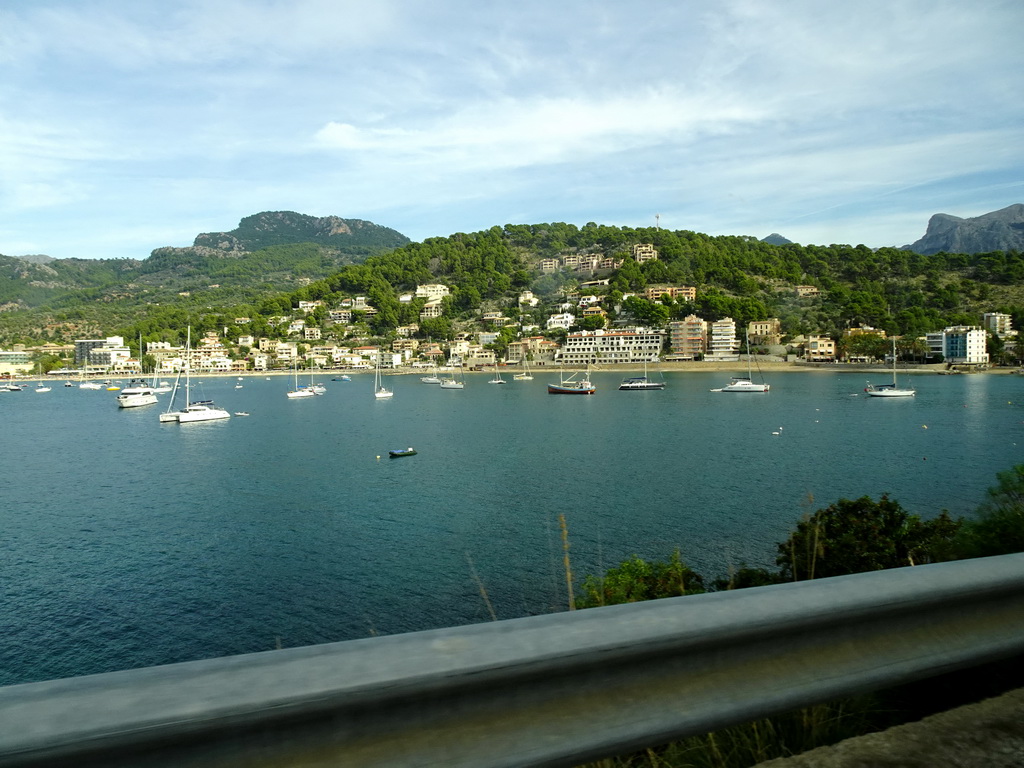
(689,339)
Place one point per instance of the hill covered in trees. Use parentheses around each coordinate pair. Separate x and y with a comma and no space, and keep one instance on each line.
(901,291)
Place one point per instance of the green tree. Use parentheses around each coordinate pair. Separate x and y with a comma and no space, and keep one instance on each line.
(592,323)
(637,579)
(998,525)
(863,535)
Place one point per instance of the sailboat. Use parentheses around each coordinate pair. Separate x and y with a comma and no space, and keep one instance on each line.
(890,390)
(452,381)
(432,377)
(525,375)
(573,386)
(83,382)
(641,382)
(743,383)
(379,390)
(297,391)
(497,375)
(199,410)
(171,415)
(41,385)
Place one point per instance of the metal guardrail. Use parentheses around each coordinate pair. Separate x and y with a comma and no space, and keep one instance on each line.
(553,690)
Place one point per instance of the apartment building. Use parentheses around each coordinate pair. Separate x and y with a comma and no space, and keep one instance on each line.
(684,292)
(722,341)
(628,345)
(688,337)
(960,344)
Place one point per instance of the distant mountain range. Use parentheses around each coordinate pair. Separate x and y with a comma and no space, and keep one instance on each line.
(1001,230)
(267,252)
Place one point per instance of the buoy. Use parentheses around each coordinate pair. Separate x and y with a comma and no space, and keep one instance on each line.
(378,458)
(924,426)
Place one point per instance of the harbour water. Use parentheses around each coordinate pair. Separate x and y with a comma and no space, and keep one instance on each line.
(127,543)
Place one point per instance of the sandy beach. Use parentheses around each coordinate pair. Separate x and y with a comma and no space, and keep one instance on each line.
(539,369)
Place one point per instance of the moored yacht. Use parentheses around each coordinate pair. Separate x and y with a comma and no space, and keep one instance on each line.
(135,394)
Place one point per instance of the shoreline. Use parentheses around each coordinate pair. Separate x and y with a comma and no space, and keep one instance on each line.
(632,368)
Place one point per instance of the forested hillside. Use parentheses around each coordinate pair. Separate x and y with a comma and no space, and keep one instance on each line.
(898,290)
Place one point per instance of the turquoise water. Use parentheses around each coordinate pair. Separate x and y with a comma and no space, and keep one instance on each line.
(129,543)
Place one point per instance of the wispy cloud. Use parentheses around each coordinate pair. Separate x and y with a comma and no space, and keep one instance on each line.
(740,116)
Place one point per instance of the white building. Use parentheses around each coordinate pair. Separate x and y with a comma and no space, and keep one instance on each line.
(563,320)
(960,344)
(432,291)
(627,345)
(998,323)
(722,341)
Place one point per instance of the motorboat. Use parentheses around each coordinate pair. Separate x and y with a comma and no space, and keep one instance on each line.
(135,394)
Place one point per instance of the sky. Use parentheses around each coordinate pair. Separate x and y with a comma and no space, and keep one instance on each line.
(129,126)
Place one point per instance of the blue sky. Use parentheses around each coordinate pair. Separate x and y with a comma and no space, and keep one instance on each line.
(127,126)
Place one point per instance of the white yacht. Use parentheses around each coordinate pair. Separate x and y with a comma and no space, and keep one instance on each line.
(136,394)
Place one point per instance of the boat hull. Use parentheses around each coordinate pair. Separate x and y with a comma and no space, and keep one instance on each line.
(891,392)
(134,399)
(559,389)
(641,384)
(742,385)
(202,412)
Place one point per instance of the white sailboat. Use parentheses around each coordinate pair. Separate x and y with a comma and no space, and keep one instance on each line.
(379,390)
(890,390)
(497,375)
(41,386)
(432,377)
(198,410)
(525,375)
(171,415)
(84,383)
(297,391)
(453,381)
(744,383)
(640,383)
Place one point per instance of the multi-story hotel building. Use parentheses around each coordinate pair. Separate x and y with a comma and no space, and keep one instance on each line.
(628,345)
(688,337)
(722,341)
(998,323)
(962,344)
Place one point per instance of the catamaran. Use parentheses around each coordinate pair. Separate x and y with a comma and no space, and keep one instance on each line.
(744,383)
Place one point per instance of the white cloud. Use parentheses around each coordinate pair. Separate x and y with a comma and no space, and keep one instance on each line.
(734,116)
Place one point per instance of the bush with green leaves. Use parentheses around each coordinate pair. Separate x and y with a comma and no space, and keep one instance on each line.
(998,525)
(637,579)
(864,535)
